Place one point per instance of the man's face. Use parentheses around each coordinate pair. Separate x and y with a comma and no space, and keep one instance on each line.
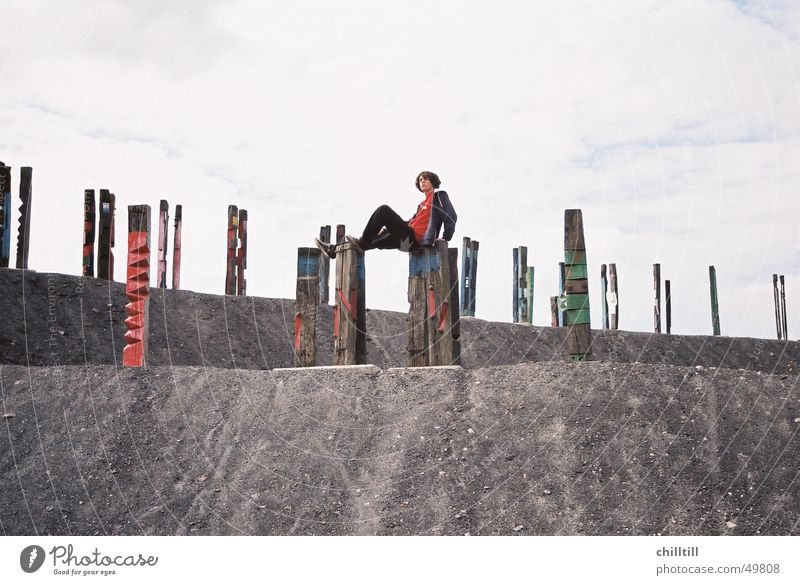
(425,185)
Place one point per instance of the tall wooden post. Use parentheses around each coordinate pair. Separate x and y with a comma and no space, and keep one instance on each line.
(657,298)
(776,299)
(466,264)
(562,308)
(89,220)
(554,312)
(306,302)
(473,276)
(612,298)
(233,238)
(783,310)
(241,255)
(24,233)
(576,286)
(604,295)
(5,214)
(163,223)
(106,229)
(137,287)
(515,287)
(668,295)
(176,248)
(712,277)
(433,330)
(349,312)
(522,285)
(529,279)
(324,267)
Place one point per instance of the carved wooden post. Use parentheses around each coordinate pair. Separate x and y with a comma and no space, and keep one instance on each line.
(349,312)
(562,295)
(5,214)
(576,286)
(613,297)
(604,295)
(306,302)
(432,293)
(163,223)
(521,274)
(783,310)
(473,277)
(466,264)
(88,232)
(137,287)
(324,266)
(529,279)
(233,229)
(554,311)
(176,248)
(776,298)
(241,257)
(24,233)
(340,233)
(668,295)
(712,277)
(106,229)
(515,286)
(657,298)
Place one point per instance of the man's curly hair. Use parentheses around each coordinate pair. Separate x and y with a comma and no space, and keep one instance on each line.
(432,177)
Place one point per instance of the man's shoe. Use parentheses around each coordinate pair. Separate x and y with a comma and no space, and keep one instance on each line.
(355,241)
(328,249)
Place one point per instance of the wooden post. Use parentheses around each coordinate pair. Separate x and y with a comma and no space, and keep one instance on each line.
(576,286)
(137,287)
(612,298)
(604,295)
(657,298)
(473,276)
(233,238)
(5,214)
(306,302)
(24,233)
(340,233)
(554,312)
(466,264)
(106,229)
(176,248)
(515,287)
(776,299)
(712,277)
(522,286)
(433,329)
(562,308)
(349,312)
(324,267)
(163,223)
(668,294)
(89,220)
(529,279)
(783,310)
(241,255)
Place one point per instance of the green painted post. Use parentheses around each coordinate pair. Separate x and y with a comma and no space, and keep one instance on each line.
(576,287)
(515,287)
(712,277)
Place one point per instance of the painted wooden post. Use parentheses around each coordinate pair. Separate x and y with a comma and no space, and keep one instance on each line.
(776,299)
(176,248)
(473,276)
(306,303)
(233,238)
(433,329)
(466,264)
(668,295)
(340,233)
(106,230)
(324,267)
(241,255)
(576,286)
(613,297)
(554,312)
(24,233)
(562,308)
(783,310)
(89,220)
(349,312)
(604,295)
(712,277)
(163,223)
(515,286)
(137,287)
(522,285)
(529,279)
(5,214)
(657,298)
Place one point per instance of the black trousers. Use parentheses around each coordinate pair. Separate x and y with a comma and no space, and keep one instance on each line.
(397,234)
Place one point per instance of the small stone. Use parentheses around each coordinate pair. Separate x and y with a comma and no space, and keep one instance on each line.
(470,431)
(49,508)
(730,524)
(547,492)
(202,478)
(518,528)
(9,415)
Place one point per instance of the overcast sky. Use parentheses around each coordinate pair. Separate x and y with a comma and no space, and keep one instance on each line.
(673,125)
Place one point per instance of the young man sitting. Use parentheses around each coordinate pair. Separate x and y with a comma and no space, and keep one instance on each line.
(386,230)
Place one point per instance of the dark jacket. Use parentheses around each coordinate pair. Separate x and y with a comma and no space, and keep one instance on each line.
(442,212)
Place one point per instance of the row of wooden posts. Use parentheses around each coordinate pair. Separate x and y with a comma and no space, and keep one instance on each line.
(24,228)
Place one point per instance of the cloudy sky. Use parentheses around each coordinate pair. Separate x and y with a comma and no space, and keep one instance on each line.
(673,125)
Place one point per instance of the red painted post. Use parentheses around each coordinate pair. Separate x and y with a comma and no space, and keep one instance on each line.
(233,228)
(176,248)
(241,258)
(137,287)
(88,232)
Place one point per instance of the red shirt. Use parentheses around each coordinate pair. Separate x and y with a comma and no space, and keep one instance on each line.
(419,223)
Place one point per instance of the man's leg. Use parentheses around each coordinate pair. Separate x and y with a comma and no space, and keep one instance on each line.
(397,231)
